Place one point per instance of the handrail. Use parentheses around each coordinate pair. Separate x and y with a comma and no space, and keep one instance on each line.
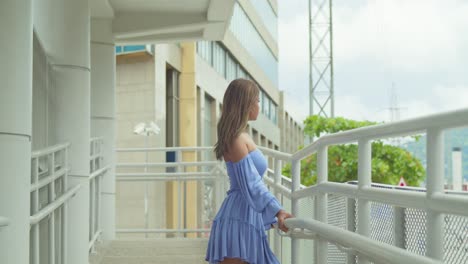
(282,189)
(34,219)
(407,127)
(4,221)
(284,178)
(407,188)
(95,138)
(375,250)
(397,197)
(49,150)
(94,239)
(164,149)
(207,170)
(168,164)
(95,156)
(275,153)
(47,180)
(162,174)
(99,172)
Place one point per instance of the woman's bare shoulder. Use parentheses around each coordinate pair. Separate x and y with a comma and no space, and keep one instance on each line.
(240,148)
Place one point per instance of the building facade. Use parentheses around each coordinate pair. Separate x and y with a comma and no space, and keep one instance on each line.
(180,87)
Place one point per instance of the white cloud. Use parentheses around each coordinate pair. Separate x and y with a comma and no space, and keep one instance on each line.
(420,44)
(294,44)
(451,98)
(352,107)
(417,35)
(444,99)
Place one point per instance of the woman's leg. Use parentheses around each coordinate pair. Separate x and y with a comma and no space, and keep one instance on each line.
(232,261)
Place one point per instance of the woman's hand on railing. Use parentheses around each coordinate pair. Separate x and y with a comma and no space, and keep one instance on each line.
(283,215)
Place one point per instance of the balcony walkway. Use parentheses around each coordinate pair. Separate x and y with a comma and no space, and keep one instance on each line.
(154,251)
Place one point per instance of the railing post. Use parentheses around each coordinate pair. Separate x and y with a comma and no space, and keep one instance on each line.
(277,180)
(52,215)
(364,180)
(64,219)
(296,183)
(399,225)
(35,207)
(351,225)
(179,194)
(435,184)
(146,188)
(321,202)
(98,201)
(92,185)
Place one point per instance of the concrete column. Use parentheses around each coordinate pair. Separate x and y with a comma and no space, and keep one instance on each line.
(103,113)
(63,27)
(188,127)
(15,128)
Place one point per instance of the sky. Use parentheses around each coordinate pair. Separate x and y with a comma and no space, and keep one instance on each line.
(420,47)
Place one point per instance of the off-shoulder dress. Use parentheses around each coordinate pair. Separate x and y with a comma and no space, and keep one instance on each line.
(239,228)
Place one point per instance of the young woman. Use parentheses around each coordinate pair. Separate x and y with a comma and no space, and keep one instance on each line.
(238,232)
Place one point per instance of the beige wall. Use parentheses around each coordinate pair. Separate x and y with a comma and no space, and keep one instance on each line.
(141,97)
(137,99)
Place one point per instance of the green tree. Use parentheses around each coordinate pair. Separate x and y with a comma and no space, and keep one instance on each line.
(389,162)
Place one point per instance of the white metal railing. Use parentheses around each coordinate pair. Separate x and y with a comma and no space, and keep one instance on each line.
(356,244)
(97,172)
(186,165)
(435,202)
(49,197)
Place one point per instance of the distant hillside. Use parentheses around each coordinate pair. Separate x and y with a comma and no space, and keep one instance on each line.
(453,138)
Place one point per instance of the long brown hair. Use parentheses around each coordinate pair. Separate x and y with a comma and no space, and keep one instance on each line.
(239,98)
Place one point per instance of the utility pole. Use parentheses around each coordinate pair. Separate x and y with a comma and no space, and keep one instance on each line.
(394,110)
(321,87)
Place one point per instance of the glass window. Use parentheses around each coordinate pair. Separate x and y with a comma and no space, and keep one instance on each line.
(172,108)
(204,49)
(134,48)
(273,112)
(129,49)
(231,68)
(260,96)
(266,105)
(241,73)
(219,59)
(248,36)
(269,18)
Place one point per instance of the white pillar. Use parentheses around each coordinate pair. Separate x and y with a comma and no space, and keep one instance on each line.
(321,203)
(457,175)
(296,183)
(435,184)
(364,180)
(15,127)
(103,113)
(64,30)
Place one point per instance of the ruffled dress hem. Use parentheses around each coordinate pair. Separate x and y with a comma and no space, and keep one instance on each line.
(234,238)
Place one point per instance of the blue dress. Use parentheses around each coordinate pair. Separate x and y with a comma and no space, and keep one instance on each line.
(238,230)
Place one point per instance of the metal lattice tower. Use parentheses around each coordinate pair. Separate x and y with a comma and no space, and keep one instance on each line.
(321,58)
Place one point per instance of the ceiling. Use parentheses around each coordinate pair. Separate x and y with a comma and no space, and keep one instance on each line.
(153,21)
